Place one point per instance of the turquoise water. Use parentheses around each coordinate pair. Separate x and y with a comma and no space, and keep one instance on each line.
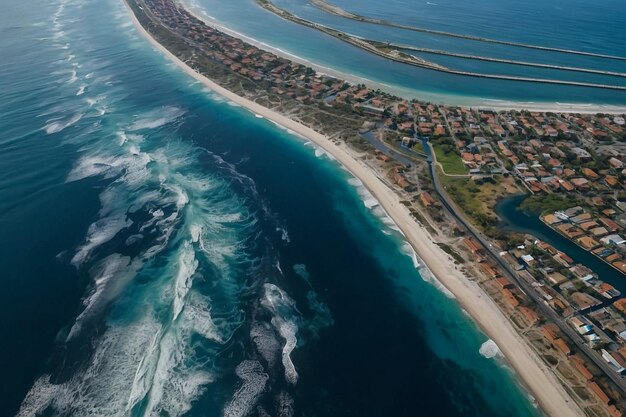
(584,25)
(163,252)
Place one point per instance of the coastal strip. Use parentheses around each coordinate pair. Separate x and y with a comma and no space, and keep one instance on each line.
(337,11)
(384,50)
(479,103)
(549,393)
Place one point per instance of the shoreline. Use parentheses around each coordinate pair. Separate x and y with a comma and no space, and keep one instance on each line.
(530,370)
(438,98)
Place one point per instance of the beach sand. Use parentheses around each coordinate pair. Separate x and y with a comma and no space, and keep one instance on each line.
(535,375)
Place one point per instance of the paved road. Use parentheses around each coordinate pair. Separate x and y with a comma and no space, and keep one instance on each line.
(544,309)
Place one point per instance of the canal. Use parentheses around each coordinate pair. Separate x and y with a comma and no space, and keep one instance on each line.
(518,221)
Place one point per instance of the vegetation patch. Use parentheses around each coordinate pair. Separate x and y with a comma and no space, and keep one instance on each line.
(547,203)
(447,156)
(477,200)
(458,259)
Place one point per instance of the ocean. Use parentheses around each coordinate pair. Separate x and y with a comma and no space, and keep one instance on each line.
(165,252)
(584,25)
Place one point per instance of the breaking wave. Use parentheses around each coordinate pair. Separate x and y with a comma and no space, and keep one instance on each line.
(253,380)
(167,257)
(489,349)
(284,320)
(59,125)
(175,262)
(157,118)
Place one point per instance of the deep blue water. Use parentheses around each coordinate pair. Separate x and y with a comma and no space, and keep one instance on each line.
(584,25)
(163,252)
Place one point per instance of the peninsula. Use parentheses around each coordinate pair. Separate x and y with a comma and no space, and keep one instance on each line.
(398,53)
(428,166)
(338,11)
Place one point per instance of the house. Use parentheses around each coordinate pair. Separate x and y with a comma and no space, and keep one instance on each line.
(581,218)
(584,301)
(617,361)
(551,219)
(556,278)
(472,245)
(427,200)
(561,345)
(587,242)
(489,270)
(613,240)
(529,315)
(588,225)
(551,332)
(595,388)
(401,181)
(509,298)
(580,366)
(599,232)
(590,173)
(581,154)
(503,283)
(611,181)
(609,224)
(580,183)
(616,163)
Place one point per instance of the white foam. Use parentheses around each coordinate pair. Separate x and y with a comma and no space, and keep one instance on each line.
(245,398)
(265,341)
(197,316)
(408,250)
(370,202)
(284,404)
(187,265)
(284,235)
(489,349)
(91,166)
(73,77)
(100,232)
(355,182)
(429,277)
(283,320)
(57,126)
(102,387)
(157,118)
(113,266)
(302,272)
(368,199)
(81,90)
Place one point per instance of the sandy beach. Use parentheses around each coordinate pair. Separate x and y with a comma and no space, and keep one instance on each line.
(534,374)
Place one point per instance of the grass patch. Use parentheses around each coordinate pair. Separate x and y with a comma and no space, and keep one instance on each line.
(547,203)
(451,162)
(418,147)
(420,219)
(476,200)
(458,259)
